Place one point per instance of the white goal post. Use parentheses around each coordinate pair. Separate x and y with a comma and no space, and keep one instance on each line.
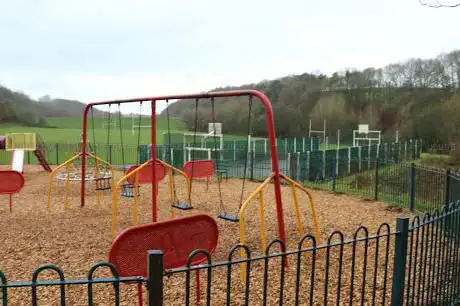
(369,137)
(135,124)
(214,131)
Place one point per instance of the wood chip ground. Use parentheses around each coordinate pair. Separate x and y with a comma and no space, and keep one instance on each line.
(76,238)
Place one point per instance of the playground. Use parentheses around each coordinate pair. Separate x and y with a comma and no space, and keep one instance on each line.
(76,238)
(86,210)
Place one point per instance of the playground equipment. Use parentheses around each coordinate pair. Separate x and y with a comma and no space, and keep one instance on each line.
(99,171)
(275,177)
(368,136)
(11,182)
(19,143)
(142,174)
(176,238)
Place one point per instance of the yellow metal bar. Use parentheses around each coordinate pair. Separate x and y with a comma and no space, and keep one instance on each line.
(241,217)
(136,200)
(98,173)
(67,185)
(263,237)
(99,159)
(114,210)
(171,193)
(312,206)
(128,175)
(53,173)
(297,210)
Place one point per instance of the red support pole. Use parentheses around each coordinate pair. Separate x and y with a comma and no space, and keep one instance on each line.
(11,202)
(83,155)
(154,159)
(275,167)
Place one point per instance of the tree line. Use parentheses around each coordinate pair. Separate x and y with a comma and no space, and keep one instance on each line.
(417,97)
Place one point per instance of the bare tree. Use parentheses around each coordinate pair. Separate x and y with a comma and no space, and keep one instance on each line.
(437,4)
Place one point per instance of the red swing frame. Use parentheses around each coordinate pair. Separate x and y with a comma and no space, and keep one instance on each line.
(220,94)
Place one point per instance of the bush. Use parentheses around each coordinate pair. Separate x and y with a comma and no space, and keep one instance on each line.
(455,155)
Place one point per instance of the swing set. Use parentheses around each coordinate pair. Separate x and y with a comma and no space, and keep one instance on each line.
(195,168)
(176,237)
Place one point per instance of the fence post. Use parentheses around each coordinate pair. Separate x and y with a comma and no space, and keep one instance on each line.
(447,196)
(359,159)
(323,172)
(308,165)
(405,150)
(28,157)
(298,167)
(155,277)
(252,164)
(334,177)
(57,154)
(399,266)
(412,187)
(289,169)
(385,149)
(376,194)
(349,160)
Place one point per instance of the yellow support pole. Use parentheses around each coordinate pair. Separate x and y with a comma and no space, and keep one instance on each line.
(67,185)
(263,237)
(53,173)
(171,193)
(98,194)
(241,215)
(297,210)
(50,190)
(312,206)
(136,200)
(114,211)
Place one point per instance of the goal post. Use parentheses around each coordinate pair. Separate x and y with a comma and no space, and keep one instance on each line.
(369,137)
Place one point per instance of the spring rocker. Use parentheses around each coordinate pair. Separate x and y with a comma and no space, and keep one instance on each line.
(11,182)
(176,238)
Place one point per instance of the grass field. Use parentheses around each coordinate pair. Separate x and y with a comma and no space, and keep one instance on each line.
(69,129)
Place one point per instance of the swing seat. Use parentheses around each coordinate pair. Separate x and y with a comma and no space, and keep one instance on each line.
(127,190)
(229,217)
(103,183)
(182,206)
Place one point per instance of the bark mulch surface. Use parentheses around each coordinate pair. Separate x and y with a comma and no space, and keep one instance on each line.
(76,238)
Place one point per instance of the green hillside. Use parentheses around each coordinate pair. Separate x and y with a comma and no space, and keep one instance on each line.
(19,108)
(63,108)
(418,97)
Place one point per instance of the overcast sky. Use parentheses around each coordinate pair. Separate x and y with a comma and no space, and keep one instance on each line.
(108,49)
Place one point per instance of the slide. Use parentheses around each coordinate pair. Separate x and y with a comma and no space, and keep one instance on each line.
(41,159)
(17,163)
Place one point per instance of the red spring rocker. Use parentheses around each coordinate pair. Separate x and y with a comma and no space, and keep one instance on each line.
(11,182)
(176,238)
(203,168)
